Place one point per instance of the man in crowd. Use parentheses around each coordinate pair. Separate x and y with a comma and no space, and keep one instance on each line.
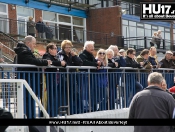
(40,27)
(88,60)
(167,62)
(143,105)
(25,55)
(143,57)
(131,62)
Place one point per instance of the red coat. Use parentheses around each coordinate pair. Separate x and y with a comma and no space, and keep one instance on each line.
(172,90)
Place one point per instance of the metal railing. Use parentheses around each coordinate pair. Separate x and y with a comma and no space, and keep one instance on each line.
(18,30)
(143,42)
(83,91)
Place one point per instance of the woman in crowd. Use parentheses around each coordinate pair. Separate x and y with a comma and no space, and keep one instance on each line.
(51,79)
(72,59)
(154,39)
(101,90)
(31,27)
(112,77)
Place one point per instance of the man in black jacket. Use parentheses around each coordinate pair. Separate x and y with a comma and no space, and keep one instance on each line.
(131,62)
(25,55)
(152,103)
(88,60)
(41,28)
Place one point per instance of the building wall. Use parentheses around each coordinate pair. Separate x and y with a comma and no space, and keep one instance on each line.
(12,16)
(105,21)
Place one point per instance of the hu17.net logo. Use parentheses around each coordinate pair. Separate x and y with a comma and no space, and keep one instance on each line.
(157,11)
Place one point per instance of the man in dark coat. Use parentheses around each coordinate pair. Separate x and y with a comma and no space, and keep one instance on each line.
(25,55)
(152,103)
(40,27)
(88,60)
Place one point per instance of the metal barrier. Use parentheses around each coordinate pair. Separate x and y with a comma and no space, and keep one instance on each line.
(84,91)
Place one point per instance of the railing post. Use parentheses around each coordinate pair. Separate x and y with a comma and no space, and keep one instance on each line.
(68,92)
(124,86)
(89,82)
(163,43)
(145,42)
(108,89)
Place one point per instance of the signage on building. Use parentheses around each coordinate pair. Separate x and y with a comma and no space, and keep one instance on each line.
(157,11)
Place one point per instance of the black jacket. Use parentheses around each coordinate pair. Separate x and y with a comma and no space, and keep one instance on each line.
(70,60)
(54,60)
(25,56)
(40,27)
(131,63)
(88,59)
(152,103)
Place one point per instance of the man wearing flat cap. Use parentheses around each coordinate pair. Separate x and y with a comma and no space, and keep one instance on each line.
(167,62)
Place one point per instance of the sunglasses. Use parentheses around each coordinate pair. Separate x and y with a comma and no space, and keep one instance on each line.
(101,53)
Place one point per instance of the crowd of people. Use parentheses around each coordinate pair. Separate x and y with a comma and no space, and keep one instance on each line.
(43,29)
(111,57)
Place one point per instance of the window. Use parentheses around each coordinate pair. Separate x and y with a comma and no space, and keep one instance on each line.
(4,27)
(49,16)
(147,26)
(77,21)
(140,24)
(78,34)
(64,32)
(132,32)
(154,27)
(66,19)
(25,12)
(3,8)
(167,29)
(131,23)
(161,28)
(125,22)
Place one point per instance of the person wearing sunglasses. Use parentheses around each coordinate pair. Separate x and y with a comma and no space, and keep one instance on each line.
(51,78)
(101,90)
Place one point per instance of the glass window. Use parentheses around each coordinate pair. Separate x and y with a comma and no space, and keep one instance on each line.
(125,31)
(3,8)
(50,16)
(161,28)
(78,35)
(64,32)
(148,33)
(23,11)
(174,31)
(64,19)
(167,35)
(132,32)
(125,22)
(140,32)
(140,24)
(3,23)
(131,23)
(167,29)
(154,27)
(147,26)
(78,21)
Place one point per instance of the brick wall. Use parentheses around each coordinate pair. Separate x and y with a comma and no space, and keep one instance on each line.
(106,21)
(13,17)
(38,14)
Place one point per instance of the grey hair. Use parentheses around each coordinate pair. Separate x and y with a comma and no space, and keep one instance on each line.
(28,38)
(155,78)
(88,43)
(112,47)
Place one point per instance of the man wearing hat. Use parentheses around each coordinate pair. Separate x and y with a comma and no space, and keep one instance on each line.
(167,62)
(122,52)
